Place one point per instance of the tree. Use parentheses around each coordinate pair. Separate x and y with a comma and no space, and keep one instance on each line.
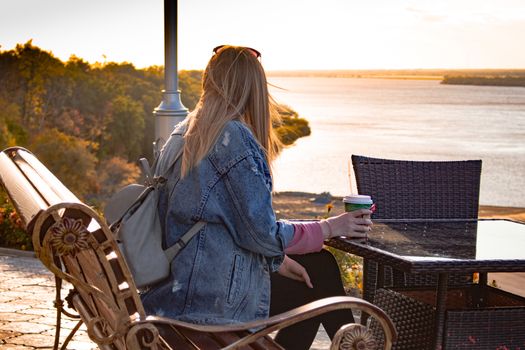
(191,87)
(69,158)
(113,174)
(11,132)
(124,129)
(44,86)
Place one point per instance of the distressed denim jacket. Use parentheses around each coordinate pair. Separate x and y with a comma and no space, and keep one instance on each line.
(222,275)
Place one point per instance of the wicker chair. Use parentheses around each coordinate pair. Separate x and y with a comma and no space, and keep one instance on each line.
(405,189)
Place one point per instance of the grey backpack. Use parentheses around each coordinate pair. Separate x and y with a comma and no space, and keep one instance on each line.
(133,216)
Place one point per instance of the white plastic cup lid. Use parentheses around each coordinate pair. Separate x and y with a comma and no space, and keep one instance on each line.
(358,199)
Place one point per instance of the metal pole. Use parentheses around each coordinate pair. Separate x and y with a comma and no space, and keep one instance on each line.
(171,110)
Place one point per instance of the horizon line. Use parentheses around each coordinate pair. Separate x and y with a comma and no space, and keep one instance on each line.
(276,70)
(388,69)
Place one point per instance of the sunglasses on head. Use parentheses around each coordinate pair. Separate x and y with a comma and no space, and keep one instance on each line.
(254,52)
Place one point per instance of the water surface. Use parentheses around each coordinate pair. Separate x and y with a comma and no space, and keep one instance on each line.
(403,119)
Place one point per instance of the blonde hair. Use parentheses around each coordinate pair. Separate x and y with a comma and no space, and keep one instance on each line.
(234,87)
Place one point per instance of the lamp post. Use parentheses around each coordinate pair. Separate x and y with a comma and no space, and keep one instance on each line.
(171,110)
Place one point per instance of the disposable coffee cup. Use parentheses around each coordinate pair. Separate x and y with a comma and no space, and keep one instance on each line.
(357,201)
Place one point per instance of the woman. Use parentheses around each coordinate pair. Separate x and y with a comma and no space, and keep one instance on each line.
(223,274)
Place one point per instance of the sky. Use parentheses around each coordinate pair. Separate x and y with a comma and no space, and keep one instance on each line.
(290,34)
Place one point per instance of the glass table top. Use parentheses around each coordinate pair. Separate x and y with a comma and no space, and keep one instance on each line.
(448,240)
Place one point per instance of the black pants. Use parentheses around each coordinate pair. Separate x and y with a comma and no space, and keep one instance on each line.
(288,294)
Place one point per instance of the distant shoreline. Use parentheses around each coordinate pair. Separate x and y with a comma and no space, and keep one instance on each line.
(510,81)
(485,77)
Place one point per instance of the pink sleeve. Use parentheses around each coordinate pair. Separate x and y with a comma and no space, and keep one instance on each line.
(307,238)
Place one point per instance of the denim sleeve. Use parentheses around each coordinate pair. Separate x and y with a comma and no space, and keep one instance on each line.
(256,227)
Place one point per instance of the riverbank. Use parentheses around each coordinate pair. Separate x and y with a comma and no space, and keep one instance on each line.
(512,81)
(303,205)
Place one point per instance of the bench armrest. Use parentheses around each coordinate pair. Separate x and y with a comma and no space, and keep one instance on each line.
(283,320)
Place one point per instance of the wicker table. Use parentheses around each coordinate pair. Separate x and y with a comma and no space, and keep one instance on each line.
(443,247)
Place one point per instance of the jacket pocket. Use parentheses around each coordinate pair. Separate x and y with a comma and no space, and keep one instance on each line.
(235,279)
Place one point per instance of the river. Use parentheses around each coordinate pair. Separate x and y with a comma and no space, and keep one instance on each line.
(402,119)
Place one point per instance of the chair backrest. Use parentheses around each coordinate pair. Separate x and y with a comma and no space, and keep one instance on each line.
(74,243)
(404,189)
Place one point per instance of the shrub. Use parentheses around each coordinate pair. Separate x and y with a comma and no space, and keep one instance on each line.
(12,234)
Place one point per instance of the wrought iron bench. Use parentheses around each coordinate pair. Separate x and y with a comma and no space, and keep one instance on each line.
(74,242)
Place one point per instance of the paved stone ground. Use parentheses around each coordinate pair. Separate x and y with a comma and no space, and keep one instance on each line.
(27,314)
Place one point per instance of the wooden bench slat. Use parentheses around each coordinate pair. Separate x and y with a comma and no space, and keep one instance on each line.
(52,182)
(72,266)
(41,186)
(26,199)
(173,337)
(94,274)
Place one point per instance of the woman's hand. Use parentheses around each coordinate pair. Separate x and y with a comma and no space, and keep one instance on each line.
(292,269)
(353,224)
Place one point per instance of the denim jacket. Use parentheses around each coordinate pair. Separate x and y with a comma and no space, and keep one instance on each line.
(222,275)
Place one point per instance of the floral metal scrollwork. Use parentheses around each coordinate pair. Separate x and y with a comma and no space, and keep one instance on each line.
(143,336)
(69,236)
(100,331)
(353,337)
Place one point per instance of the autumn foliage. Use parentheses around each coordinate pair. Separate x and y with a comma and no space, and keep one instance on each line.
(89,123)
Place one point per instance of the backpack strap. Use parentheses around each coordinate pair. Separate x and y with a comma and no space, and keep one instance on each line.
(146,170)
(172,152)
(173,161)
(172,251)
